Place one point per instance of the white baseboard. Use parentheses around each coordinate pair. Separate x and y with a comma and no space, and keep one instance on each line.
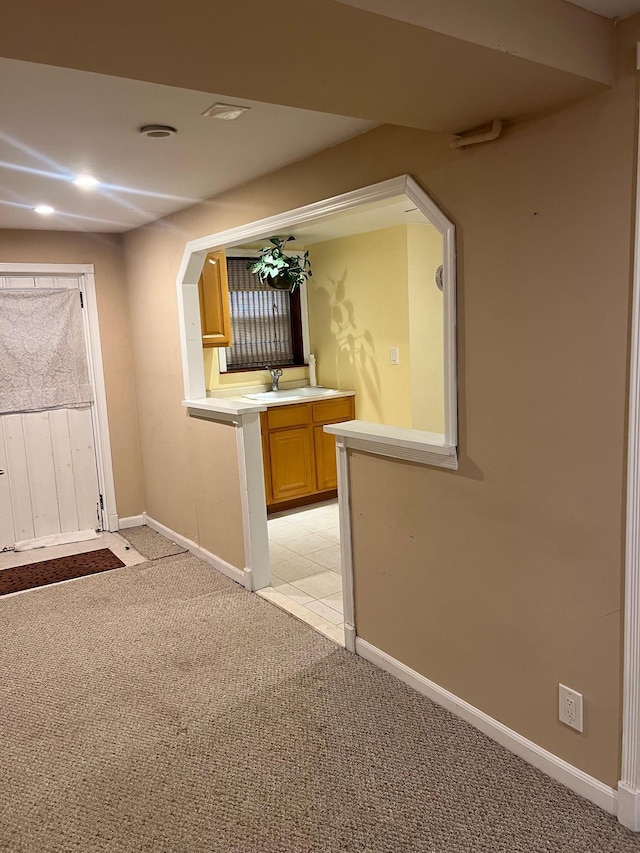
(349,637)
(241,576)
(572,777)
(130,521)
(629,807)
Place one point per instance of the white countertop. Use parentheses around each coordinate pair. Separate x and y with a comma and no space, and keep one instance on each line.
(239,405)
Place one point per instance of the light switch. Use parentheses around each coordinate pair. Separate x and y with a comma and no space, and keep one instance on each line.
(394,355)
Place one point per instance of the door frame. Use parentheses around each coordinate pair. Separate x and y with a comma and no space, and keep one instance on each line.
(100,421)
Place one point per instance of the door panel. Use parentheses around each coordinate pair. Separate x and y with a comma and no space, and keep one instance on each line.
(18,478)
(63,467)
(42,478)
(50,484)
(83,457)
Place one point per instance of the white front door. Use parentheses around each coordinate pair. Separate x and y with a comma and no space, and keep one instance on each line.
(49,480)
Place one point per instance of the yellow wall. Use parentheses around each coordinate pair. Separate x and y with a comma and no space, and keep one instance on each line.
(105,252)
(358,309)
(503,578)
(216,381)
(426,324)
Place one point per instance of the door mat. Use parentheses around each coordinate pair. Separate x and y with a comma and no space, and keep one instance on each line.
(61,569)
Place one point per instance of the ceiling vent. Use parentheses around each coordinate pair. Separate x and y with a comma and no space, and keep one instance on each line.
(226,112)
(158,131)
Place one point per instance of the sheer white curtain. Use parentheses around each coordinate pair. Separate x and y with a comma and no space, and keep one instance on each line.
(43,363)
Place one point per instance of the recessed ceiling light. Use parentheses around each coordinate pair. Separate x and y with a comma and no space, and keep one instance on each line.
(226,112)
(87,182)
(44,209)
(158,131)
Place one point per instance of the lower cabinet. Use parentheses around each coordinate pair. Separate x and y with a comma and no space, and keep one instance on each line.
(324,445)
(291,463)
(299,457)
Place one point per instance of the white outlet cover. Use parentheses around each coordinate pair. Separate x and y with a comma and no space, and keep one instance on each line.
(570,707)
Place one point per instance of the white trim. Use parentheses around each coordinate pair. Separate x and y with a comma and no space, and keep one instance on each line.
(130,521)
(100,421)
(254,505)
(425,448)
(238,575)
(629,785)
(195,253)
(346,548)
(101,424)
(304,316)
(572,777)
(46,269)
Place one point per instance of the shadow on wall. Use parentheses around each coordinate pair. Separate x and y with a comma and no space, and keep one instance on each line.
(355,350)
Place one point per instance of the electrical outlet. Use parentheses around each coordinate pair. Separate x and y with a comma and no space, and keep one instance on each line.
(570,707)
(394,355)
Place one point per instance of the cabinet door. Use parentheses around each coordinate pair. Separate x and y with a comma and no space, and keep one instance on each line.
(326,470)
(213,289)
(292,470)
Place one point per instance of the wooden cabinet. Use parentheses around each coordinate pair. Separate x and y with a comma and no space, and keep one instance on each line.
(213,290)
(325,450)
(299,457)
(291,457)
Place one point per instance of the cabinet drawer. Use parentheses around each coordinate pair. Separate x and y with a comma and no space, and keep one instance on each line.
(286,416)
(333,410)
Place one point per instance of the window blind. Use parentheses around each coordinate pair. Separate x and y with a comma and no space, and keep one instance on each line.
(260,320)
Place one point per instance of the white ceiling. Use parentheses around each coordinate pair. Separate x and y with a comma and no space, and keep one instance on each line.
(367,217)
(610,8)
(399,210)
(57,122)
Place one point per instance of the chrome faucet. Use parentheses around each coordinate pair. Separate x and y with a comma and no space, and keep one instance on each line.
(276,373)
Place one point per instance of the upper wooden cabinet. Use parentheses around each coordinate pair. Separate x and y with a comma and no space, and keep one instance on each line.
(213,288)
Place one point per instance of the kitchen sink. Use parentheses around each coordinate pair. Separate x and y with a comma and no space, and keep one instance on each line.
(292,394)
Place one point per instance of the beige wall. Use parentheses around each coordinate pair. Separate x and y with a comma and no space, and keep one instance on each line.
(503,578)
(189,464)
(104,251)
(358,309)
(426,328)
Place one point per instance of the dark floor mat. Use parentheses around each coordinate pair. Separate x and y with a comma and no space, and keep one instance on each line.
(61,569)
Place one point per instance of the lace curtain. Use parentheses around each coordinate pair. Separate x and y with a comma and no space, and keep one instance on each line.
(43,363)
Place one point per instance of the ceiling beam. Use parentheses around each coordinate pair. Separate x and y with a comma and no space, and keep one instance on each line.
(551,32)
(320,55)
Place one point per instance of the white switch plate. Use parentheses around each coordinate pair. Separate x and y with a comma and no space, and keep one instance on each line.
(570,707)
(394,355)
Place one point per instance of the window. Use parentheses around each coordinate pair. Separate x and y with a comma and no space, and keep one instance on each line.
(266,325)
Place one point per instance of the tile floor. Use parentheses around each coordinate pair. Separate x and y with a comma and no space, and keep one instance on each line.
(305,567)
(120,547)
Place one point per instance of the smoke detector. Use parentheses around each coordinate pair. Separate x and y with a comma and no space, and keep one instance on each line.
(158,131)
(226,112)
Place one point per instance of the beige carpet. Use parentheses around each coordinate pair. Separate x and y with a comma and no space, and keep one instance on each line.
(163,709)
(150,544)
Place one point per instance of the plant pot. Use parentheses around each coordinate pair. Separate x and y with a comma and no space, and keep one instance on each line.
(282,282)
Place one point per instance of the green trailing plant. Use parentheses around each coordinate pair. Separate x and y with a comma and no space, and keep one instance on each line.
(280,271)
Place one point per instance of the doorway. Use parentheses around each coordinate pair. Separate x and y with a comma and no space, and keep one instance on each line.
(306,566)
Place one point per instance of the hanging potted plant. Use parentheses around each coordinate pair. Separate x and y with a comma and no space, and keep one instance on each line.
(280,271)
